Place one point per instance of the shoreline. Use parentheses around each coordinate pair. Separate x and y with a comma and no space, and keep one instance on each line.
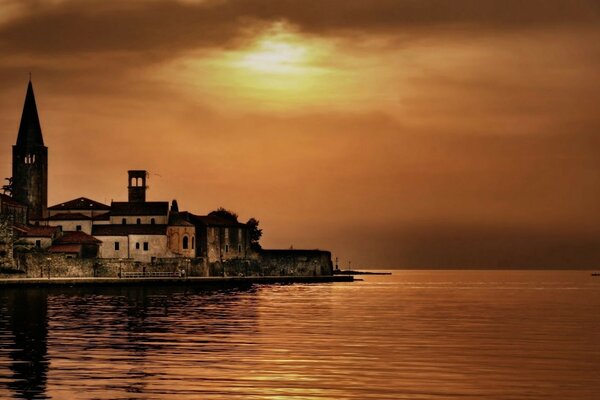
(166,281)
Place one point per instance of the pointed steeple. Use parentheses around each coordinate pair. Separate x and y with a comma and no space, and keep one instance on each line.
(30,131)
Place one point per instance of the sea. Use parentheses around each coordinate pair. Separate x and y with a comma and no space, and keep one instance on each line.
(486,334)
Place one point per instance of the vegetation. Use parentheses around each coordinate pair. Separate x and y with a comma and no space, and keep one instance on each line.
(224,213)
(255,233)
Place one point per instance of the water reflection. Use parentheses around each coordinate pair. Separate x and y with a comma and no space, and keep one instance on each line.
(24,314)
(414,335)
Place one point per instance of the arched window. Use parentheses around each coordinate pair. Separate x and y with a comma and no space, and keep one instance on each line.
(193,241)
(185,242)
(138,221)
(152,221)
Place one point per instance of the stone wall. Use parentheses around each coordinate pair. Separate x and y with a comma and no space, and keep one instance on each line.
(276,263)
(37,264)
(42,265)
(6,242)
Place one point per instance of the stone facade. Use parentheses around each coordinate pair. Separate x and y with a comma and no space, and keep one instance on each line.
(83,237)
(6,242)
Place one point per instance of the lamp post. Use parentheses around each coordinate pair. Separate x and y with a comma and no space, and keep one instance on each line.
(48,265)
(120,268)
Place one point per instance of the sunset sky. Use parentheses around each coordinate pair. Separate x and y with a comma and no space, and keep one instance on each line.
(395,133)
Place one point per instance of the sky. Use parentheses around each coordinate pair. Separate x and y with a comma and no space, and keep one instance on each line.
(394,133)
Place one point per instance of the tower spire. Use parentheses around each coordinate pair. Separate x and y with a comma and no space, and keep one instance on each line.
(30,162)
(30,130)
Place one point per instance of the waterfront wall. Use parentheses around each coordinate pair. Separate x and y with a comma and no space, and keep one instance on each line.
(277,263)
(6,242)
(264,263)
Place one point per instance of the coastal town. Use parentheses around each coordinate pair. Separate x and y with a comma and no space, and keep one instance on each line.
(82,237)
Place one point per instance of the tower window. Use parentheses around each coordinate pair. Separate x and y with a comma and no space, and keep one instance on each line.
(145,246)
(124,221)
(185,242)
(117,245)
(138,221)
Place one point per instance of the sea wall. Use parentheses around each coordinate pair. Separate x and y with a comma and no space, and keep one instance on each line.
(296,262)
(43,265)
(264,263)
(277,263)
(6,242)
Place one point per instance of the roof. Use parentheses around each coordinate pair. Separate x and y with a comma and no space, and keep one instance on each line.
(41,231)
(210,220)
(76,237)
(65,248)
(9,200)
(68,217)
(176,219)
(102,217)
(124,230)
(126,208)
(81,203)
(30,130)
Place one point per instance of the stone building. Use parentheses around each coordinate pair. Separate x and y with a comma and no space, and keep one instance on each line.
(12,208)
(30,162)
(133,231)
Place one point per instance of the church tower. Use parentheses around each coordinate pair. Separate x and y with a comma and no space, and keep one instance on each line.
(30,161)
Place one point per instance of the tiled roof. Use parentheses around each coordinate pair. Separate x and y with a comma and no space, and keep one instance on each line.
(82,203)
(210,220)
(102,217)
(176,219)
(76,237)
(125,208)
(65,248)
(9,200)
(124,230)
(41,231)
(69,217)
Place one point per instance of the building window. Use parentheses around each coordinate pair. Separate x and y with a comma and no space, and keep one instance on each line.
(152,221)
(78,228)
(193,242)
(137,246)
(226,248)
(38,243)
(59,227)
(138,221)
(117,246)
(239,248)
(124,221)
(185,242)
(145,246)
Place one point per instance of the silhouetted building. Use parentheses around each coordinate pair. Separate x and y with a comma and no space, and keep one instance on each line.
(30,162)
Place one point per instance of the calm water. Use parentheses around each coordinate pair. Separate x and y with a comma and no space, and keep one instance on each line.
(413,335)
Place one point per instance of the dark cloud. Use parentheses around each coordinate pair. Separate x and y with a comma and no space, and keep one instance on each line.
(167,27)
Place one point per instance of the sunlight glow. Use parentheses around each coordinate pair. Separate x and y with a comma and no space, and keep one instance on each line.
(274,56)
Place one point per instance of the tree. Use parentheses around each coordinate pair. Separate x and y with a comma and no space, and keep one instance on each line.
(254,233)
(224,213)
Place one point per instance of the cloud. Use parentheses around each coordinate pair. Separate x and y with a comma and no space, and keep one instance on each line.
(167,27)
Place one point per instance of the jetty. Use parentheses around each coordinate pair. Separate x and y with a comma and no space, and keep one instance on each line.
(217,281)
(341,272)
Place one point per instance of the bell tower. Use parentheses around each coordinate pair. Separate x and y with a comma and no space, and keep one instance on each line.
(30,161)
(137,186)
